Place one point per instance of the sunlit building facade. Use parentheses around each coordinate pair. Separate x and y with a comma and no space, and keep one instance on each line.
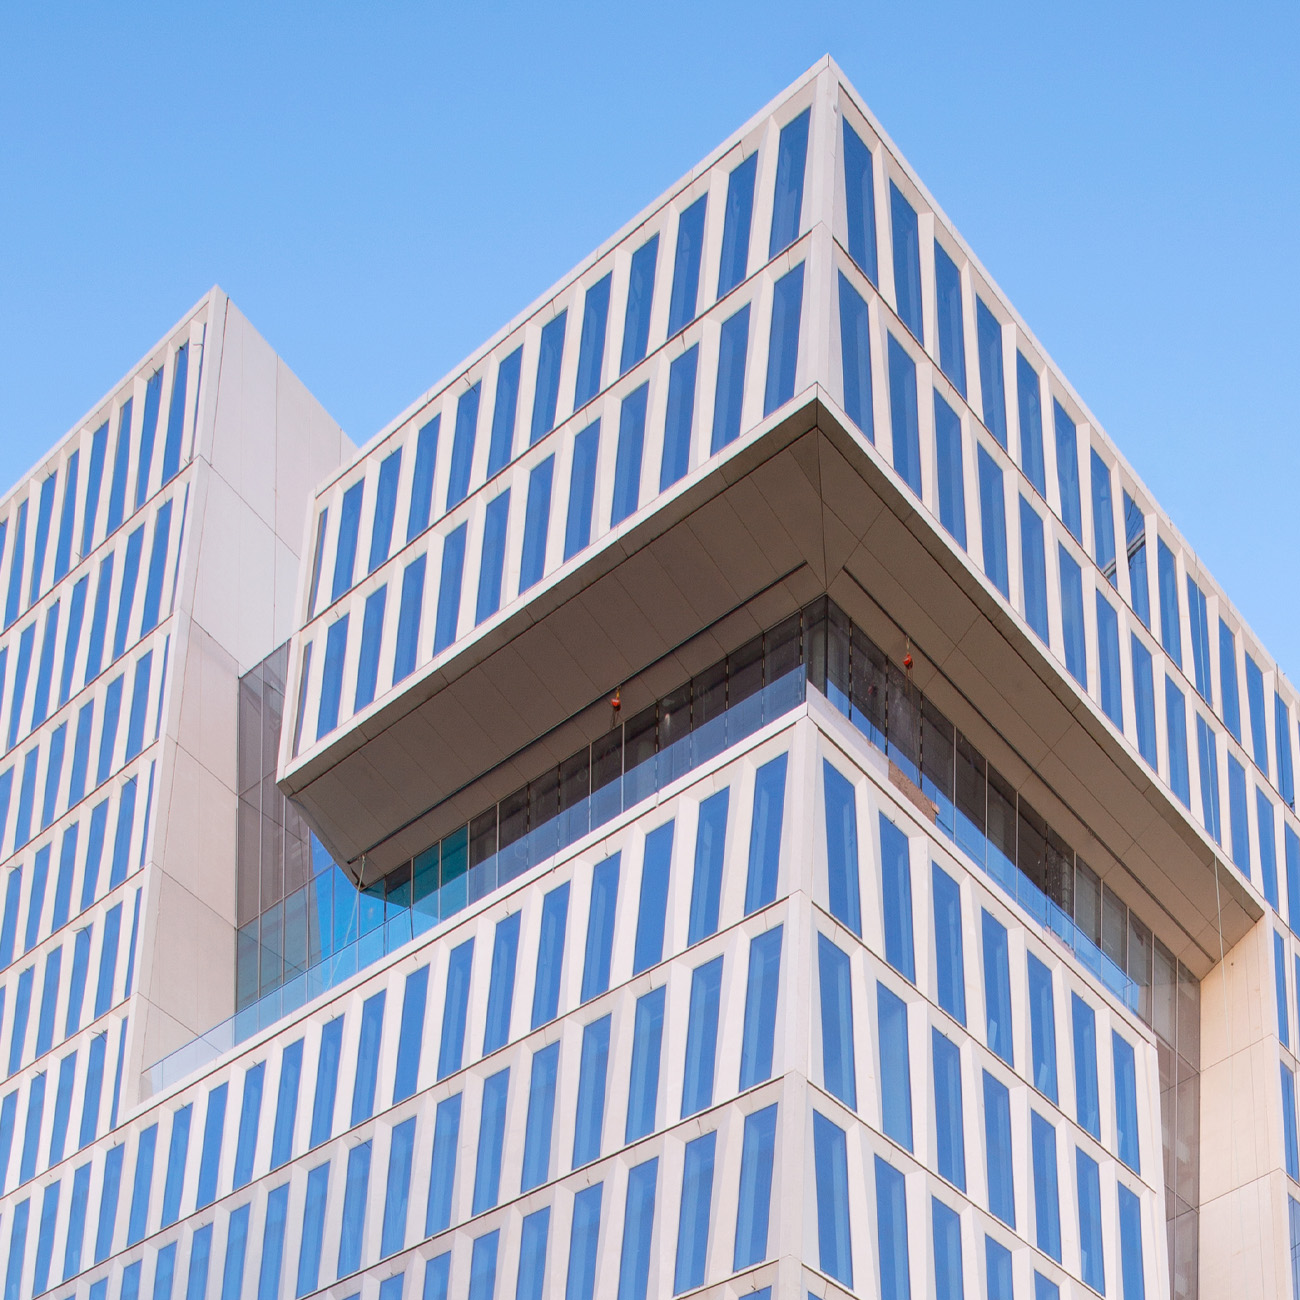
(738,790)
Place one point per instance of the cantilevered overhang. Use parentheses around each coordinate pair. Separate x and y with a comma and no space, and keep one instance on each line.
(804,506)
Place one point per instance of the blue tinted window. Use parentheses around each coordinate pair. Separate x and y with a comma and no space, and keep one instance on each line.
(997,1150)
(997,988)
(107,963)
(1258,726)
(77,1222)
(1126,1116)
(94,481)
(600,928)
(1093,1267)
(372,630)
(139,1212)
(449,585)
(891,1232)
(1108,670)
(110,1190)
(860,203)
(493,560)
(1240,824)
(345,556)
(437,1272)
(148,429)
(686,267)
(45,671)
(1103,519)
(907,261)
(855,356)
(1033,563)
(411,1033)
(532,1250)
(1047,1209)
(895,1068)
(63,1112)
(547,389)
(355,1191)
(1198,625)
(754,1202)
(426,458)
(1264,815)
(992,391)
(32,1133)
(442,1171)
(45,1240)
(1029,403)
(1176,729)
(696,1211)
(580,1283)
(736,224)
(787,202)
(1282,736)
(157,569)
(842,849)
(139,704)
(506,406)
(1074,635)
(81,754)
(952,329)
(318,557)
(72,643)
(541,1117)
(13,602)
(702,1037)
(728,401)
(491,1137)
(77,984)
(783,344)
(39,543)
(1085,1066)
(537,517)
(451,1048)
(1144,702)
(706,887)
(250,1113)
(948,463)
(1135,535)
(993,522)
(1230,702)
(630,453)
(99,620)
(903,416)
(363,1087)
(327,1073)
(462,446)
(949,962)
(676,459)
(1042,1027)
(760,1008)
(268,1281)
(839,1070)
(582,490)
(54,773)
(381,532)
(176,414)
(647,1044)
(948,1283)
(653,903)
(49,999)
(482,1267)
(505,950)
(1131,1273)
(108,731)
(21,671)
(1207,751)
(949,1143)
(331,686)
(550,956)
(896,890)
(1171,635)
(177,1151)
(640,295)
(1279,981)
(1067,470)
(591,345)
(831,1170)
(765,834)
(63,887)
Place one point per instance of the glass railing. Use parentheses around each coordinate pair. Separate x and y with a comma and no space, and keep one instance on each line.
(971,804)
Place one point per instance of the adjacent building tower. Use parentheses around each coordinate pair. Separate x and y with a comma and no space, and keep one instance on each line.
(738,790)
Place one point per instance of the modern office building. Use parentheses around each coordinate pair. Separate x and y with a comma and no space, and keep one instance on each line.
(738,790)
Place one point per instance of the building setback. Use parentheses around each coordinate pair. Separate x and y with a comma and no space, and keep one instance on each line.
(738,790)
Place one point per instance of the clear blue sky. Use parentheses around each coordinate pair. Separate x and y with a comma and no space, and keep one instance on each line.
(380,187)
